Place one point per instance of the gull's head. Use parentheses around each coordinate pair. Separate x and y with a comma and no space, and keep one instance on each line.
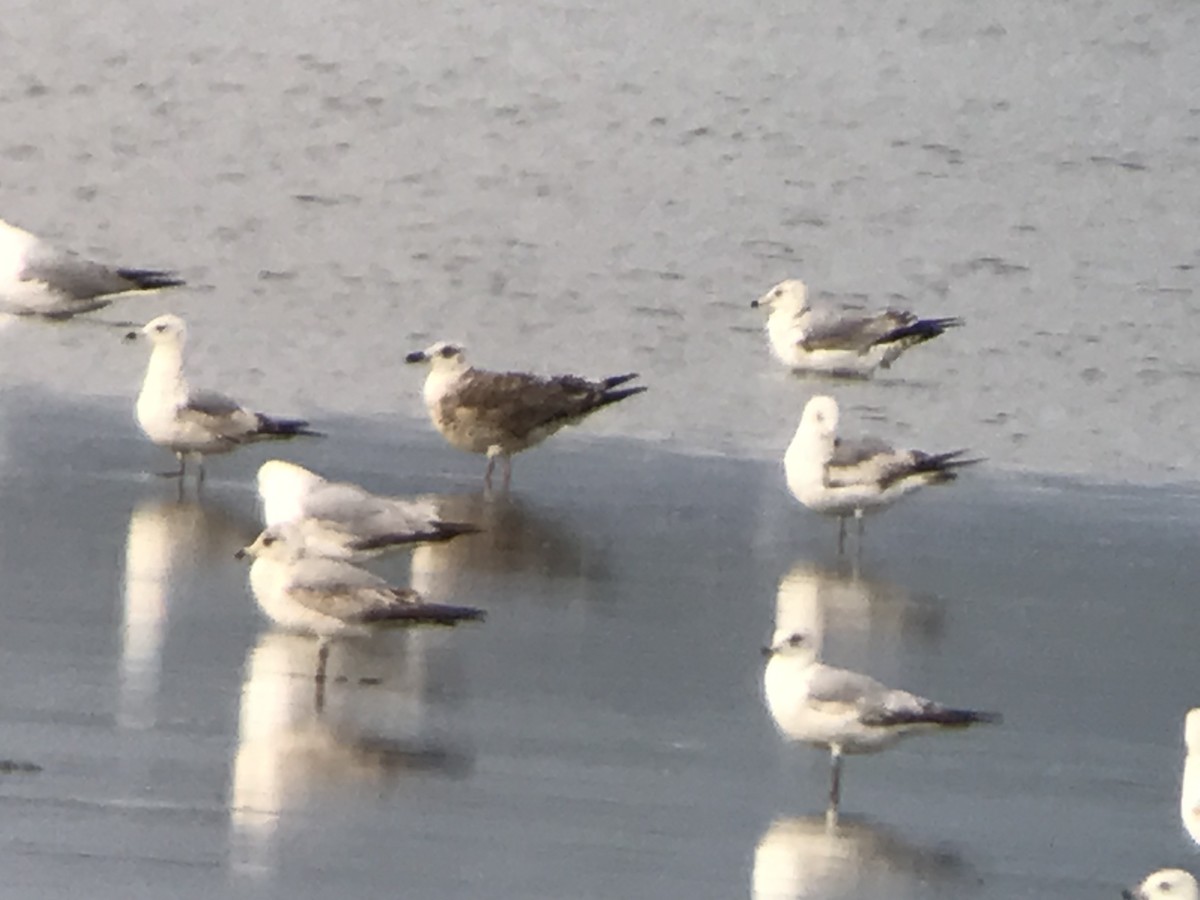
(787,642)
(442,355)
(790,295)
(1165,884)
(166,329)
(282,542)
(820,417)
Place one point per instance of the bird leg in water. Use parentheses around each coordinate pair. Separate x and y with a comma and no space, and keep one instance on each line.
(835,778)
(319,679)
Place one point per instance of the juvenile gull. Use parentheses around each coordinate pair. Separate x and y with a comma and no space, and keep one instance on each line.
(341,520)
(1165,884)
(848,712)
(193,423)
(332,598)
(37,278)
(502,413)
(839,343)
(838,477)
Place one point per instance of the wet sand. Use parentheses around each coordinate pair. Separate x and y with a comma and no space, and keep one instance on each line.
(602,734)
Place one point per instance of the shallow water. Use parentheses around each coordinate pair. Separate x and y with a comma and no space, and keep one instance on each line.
(605,188)
(602,734)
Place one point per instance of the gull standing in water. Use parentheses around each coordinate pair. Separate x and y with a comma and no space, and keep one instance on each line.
(1165,884)
(39,279)
(192,423)
(332,598)
(341,520)
(848,712)
(502,413)
(840,478)
(838,343)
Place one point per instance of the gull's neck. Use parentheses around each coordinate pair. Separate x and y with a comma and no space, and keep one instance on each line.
(164,376)
(443,376)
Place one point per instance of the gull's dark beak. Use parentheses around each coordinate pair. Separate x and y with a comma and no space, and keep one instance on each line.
(416,356)
(130,336)
(241,554)
(1128,894)
(768,652)
(754,304)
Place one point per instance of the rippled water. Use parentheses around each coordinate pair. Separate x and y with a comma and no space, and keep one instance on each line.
(606,188)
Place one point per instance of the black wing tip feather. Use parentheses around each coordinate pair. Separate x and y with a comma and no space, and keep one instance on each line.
(151,279)
(285,428)
(939,715)
(613,380)
(441,531)
(921,330)
(427,614)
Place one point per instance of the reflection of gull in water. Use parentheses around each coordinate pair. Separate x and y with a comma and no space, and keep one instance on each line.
(375,727)
(813,857)
(848,712)
(1165,884)
(1189,799)
(838,342)
(513,537)
(167,540)
(812,598)
(502,413)
(37,278)
(838,477)
(341,520)
(195,423)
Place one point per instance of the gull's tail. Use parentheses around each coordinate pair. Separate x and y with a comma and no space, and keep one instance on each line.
(900,339)
(607,395)
(942,467)
(150,279)
(281,429)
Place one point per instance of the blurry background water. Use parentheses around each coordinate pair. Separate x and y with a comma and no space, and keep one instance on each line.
(606,187)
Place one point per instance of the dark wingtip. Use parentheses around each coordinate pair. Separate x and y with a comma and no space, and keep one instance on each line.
(151,279)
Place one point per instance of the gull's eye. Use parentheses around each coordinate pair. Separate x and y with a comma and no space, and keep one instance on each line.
(160,327)
(268,541)
(778,292)
(795,640)
(448,352)
(1165,887)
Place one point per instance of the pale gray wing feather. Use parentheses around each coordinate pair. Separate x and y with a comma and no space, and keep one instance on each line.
(343,591)
(829,685)
(73,275)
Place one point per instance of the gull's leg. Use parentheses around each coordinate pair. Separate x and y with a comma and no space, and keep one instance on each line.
(507,472)
(319,679)
(200,465)
(487,476)
(178,473)
(862,522)
(841,535)
(835,777)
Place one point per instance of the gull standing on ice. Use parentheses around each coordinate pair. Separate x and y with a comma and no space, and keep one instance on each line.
(339,520)
(502,413)
(332,598)
(840,478)
(1165,884)
(192,423)
(848,712)
(839,343)
(39,279)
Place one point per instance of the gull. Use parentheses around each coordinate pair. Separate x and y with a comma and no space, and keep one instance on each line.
(189,422)
(39,279)
(502,413)
(341,520)
(838,477)
(1189,794)
(837,343)
(848,712)
(1165,884)
(332,598)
